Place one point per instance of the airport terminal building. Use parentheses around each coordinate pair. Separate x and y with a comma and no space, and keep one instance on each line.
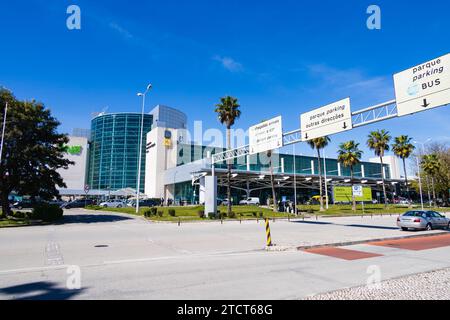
(176,169)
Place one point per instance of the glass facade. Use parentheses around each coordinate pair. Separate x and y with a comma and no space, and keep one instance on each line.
(303,164)
(167,117)
(114,151)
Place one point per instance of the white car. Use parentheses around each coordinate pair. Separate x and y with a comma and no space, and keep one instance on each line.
(113,204)
(250,202)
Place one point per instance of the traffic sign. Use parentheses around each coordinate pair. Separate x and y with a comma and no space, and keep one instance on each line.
(357,191)
(87,188)
(330,119)
(423,87)
(267,135)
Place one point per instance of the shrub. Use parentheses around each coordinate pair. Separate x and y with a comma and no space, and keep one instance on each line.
(254,214)
(212,215)
(172,212)
(261,214)
(47,212)
(20,215)
(153,211)
(232,215)
(94,207)
(148,213)
(160,213)
(201,214)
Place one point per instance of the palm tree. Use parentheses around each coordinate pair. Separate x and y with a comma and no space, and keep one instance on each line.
(228,112)
(403,148)
(318,144)
(378,141)
(349,155)
(430,165)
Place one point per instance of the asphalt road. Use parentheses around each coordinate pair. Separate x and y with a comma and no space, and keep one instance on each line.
(121,257)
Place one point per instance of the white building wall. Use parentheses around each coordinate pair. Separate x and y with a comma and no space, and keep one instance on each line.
(160,157)
(75,175)
(394,165)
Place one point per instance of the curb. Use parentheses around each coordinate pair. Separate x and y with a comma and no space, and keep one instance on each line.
(350,243)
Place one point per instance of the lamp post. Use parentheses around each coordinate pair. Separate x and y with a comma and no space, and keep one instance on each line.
(140,146)
(420,180)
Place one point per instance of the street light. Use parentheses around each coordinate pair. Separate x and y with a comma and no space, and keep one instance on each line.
(420,179)
(149,87)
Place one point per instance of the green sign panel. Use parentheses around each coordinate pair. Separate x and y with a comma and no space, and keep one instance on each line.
(74,150)
(344,194)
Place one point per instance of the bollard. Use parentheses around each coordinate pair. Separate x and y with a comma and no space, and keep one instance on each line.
(179,221)
(289,217)
(269,238)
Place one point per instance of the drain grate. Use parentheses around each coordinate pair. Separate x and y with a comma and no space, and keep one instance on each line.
(101,246)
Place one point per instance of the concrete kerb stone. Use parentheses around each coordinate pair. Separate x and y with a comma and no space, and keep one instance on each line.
(276,248)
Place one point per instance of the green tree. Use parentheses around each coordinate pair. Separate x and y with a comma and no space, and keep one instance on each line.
(33,151)
(403,148)
(430,164)
(228,112)
(319,144)
(350,155)
(378,141)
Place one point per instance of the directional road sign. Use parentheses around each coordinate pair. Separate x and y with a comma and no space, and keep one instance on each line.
(266,136)
(423,87)
(330,119)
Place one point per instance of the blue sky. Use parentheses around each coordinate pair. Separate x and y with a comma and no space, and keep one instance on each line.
(278,57)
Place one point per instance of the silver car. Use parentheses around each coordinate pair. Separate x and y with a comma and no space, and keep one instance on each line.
(423,220)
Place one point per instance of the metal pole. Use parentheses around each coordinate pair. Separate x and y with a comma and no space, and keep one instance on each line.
(326,182)
(140,154)
(420,183)
(3,132)
(295,182)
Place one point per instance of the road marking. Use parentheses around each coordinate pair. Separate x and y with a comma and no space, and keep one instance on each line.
(416,244)
(33,269)
(344,254)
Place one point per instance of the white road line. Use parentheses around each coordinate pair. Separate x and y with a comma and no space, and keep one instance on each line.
(33,269)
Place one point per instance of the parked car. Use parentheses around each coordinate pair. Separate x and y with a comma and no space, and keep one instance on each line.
(113,204)
(223,202)
(81,203)
(422,220)
(144,203)
(24,204)
(250,202)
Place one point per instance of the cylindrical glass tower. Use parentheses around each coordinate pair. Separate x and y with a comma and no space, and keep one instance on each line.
(114,151)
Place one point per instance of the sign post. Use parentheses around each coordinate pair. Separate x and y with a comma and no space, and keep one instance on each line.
(266,136)
(423,87)
(330,119)
(86,191)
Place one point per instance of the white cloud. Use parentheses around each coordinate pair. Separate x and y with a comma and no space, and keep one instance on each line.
(123,32)
(353,82)
(229,63)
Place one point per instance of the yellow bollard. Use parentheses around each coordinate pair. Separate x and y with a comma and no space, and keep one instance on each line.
(269,238)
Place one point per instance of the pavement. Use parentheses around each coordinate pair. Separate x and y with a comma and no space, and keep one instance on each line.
(124,257)
(426,286)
